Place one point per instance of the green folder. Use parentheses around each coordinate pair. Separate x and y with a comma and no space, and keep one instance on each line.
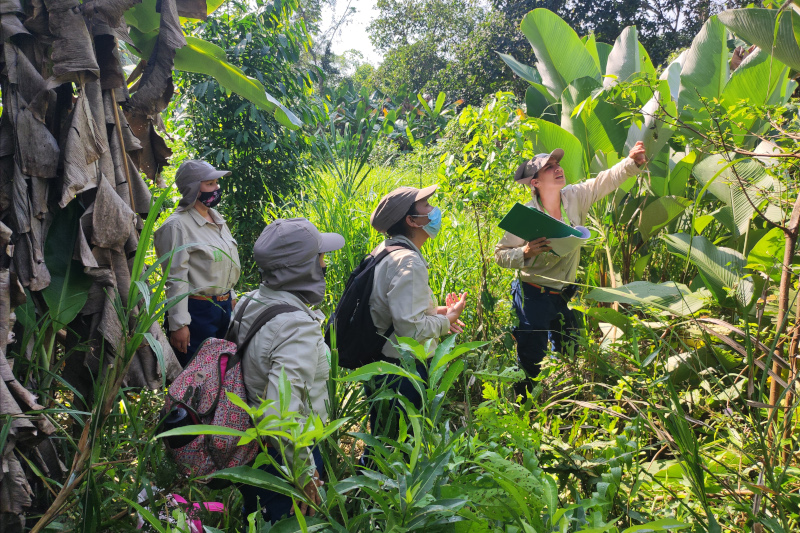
(530,224)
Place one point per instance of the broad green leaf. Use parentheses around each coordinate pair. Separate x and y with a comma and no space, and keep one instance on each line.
(379,368)
(767,255)
(549,136)
(669,296)
(522,70)
(722,269)
(69,285)
(660,213)
(705,69)
(143,16)
(656,127)
(147,515)
(716,174)
(645,63)
(603,51)
(203,429)
(258,478)
(203,57)
(757,26)
(539,104)
(591,121)
(606,314)
(624,60)
(560,54)
(665,524)
(590,42)
(457,351)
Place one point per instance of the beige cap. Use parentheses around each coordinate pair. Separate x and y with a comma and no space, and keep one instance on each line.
(291,242)
(189,176)
(527,170)
(393,207)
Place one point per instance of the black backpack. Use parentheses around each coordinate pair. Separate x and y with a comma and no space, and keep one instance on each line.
(357,339)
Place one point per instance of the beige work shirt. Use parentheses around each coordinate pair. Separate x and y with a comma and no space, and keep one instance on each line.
(401,296)
(548,269)
(290,342)
(209,265)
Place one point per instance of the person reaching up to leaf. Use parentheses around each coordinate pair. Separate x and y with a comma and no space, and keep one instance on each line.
(545,282)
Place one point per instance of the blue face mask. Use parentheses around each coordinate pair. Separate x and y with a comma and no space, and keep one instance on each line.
(435,217)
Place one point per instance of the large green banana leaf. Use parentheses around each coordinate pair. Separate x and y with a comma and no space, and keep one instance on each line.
(539,104)
(705,69)
(767,255)
(656,127)
(624,60)
(69,285)
(717,175)
(722,269)
(670,171)
(669,297)
(561,56)
(144,17)
(757,26)
(592,121)
(549,136)
(661,212)
(522,70)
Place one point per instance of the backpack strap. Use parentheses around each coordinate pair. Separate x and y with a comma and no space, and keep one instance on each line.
(258,323)
(378,258)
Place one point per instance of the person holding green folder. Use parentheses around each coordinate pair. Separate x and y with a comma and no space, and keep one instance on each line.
(544,287)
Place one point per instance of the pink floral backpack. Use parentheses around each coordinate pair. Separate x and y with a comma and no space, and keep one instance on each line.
(197,396)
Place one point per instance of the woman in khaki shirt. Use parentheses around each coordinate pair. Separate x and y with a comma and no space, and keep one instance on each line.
(401,296)
(538,296)
(205,261)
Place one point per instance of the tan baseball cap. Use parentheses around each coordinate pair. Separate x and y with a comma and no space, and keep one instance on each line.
(527,170)
(292,242)
(393,207)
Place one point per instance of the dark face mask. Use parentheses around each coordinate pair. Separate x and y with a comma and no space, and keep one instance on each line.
(210,199)
(324,270)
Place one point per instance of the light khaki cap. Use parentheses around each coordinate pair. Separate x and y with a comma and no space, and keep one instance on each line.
(393,207)
(527,170)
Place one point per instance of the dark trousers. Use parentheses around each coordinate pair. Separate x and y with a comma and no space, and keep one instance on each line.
(543,318)
(273,506)
(384,414)
(209,319)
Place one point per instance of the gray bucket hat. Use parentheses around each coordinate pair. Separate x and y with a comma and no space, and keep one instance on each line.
(396,204)
(527,170)
(190,175)
(287,252)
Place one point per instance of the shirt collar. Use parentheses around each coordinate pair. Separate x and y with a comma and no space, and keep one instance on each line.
(288,298)
(405,240)
(201,221)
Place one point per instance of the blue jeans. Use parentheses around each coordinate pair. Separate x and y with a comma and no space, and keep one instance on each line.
(273,506)
(543,318)
(209,319)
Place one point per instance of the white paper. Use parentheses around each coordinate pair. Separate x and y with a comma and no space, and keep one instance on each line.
(565,245)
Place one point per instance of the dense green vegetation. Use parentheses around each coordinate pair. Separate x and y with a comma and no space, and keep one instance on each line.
(675,410)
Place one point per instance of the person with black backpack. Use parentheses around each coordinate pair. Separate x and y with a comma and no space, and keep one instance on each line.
(290,256)
(402,303)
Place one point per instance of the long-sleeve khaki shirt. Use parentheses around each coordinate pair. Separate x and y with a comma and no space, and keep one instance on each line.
(401,296)
(548,269)
(209,265)
(290,342)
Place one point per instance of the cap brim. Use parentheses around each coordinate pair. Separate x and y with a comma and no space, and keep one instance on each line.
(426,193)
(557,154)
(519,175)
(331,242)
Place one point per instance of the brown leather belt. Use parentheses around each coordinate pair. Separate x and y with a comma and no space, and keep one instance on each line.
(548,290)
(219,298)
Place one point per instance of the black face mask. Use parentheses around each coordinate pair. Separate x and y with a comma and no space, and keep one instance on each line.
(324,270)
(210,199)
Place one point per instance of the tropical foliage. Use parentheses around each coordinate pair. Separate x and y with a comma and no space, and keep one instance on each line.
(675,410)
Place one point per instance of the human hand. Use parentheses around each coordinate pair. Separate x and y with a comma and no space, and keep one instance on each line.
(536,247)
(637,153)
(739,55)
(454,311)
(457,327)
(312,492)
(179,339)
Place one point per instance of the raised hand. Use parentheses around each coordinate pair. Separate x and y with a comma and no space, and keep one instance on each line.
(637,153)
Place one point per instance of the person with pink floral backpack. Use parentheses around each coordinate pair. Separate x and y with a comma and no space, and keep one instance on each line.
(290,255)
